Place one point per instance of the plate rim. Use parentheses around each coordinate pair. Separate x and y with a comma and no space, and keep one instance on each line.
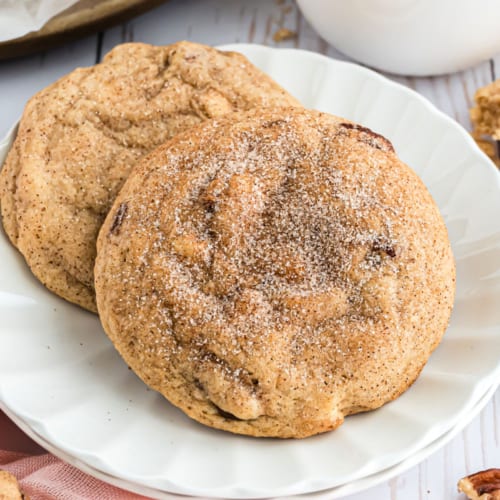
(340,491)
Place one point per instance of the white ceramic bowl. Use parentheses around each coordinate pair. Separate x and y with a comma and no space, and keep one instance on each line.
(412,37)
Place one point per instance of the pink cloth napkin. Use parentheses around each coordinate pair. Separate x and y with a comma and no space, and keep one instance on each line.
(42,476)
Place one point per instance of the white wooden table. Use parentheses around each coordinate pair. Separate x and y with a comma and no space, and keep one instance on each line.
(227,21)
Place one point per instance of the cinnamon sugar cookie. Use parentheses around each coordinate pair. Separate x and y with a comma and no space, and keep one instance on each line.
(79,138)
(270,273)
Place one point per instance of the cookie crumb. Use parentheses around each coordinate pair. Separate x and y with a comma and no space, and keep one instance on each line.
(485,119)
(284,34)
(485,115)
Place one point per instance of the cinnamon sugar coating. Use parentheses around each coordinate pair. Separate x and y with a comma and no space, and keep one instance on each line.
(272,272)
(79,138)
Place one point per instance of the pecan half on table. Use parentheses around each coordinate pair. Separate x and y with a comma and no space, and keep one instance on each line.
(483,485)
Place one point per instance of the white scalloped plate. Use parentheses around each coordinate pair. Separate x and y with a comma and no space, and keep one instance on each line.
(62,377)
(330,494)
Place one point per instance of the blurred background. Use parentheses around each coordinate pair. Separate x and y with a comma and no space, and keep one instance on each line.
(277,23)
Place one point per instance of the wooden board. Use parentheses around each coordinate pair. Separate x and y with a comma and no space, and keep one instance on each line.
(83,18)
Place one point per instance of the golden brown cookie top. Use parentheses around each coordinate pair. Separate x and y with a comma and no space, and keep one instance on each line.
(274,271)
(79,138)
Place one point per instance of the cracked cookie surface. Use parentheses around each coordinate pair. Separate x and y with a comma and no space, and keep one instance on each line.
(79,138)
(272,272)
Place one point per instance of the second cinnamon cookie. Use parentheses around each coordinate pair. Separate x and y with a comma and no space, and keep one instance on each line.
(79,138)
